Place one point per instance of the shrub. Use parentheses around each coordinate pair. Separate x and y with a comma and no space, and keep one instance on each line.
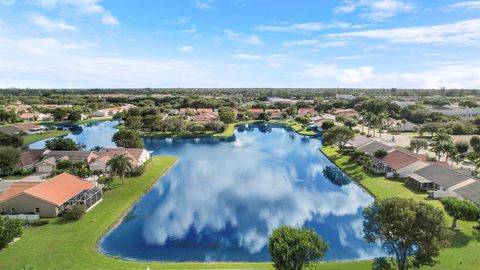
(73,213)
(383,263)
(293,248)
(362,133)
(326,125)
(106,182)
(137,171)
(9,230)
(380,153)
(39,222)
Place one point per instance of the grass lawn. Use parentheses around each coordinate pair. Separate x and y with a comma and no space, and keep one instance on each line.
(29,139)
(464,252)
(228,132)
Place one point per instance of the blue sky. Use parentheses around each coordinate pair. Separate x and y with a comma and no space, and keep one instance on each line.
(240,43)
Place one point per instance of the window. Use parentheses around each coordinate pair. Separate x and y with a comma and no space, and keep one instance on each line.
(37,210)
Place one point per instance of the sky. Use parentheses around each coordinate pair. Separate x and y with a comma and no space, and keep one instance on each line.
(239,43)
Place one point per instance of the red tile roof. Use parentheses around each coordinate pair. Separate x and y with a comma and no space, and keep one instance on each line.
(16,188)
(59,189)
(397,159)
(27,127)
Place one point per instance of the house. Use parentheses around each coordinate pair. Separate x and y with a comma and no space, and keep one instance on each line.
(30,157)
(138,157)
(204,110)
(273,100)
(306,112)
(205,117)
(50,159)
(346,112)
(397,125)
(470,192)
(255,112)
(457,111)
(183,111)
(49,198)
(11,130)
(439,179)
(374,146)
(347,97)
(28,117)
(358,141)
(111,111)
(274,114)
(30,128)
(399,164)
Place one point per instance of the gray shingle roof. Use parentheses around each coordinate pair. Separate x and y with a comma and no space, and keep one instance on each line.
(373,147)
(470,192)
(74,156)
(10,130)
(359,141)
(442,176)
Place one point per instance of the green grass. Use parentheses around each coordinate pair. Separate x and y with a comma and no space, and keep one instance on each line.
(29,139)
(86,121)
(228,132)
(464,252)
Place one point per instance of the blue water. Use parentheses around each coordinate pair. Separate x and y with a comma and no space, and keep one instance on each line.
(90,135)
(223,198)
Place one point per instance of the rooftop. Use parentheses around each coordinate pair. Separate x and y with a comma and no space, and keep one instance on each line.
(442,176)
(470,192)
(374,146)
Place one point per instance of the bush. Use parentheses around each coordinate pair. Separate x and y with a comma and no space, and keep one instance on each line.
(326,125)
(383,263)
(39,222)
(73,213)
(137,171)
(9,230)
(380,153)
(293,248)
(362,133)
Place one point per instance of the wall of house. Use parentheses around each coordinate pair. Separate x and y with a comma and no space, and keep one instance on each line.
(96,165)
(25,203)
(144,157)
(44,168)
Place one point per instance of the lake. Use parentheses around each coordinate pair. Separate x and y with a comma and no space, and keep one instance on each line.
(223,198)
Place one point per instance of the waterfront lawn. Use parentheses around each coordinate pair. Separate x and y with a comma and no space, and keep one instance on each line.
(29,139)
(464,251)
(227,132)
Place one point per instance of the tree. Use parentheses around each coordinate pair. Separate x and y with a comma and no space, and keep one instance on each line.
(475,143)
(227,115)
(9,158)
(380,153)
(74,116)
(264,116)
(350,122)
(73,213)
(304,121)
(133,123)
(293,248)
(462,147)
(413,231)
(106,181)
(9,230)
(380,121)
(62,144)
(15,141)
(460,209)
(418,144)
(127,139)
(327,124)
(120,165)
(59,113)
(338,136)
(450,151)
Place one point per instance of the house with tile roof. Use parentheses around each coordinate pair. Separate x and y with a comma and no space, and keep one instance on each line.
(439,179)
(49,198)
(50,159)
(138,157)
(399,164)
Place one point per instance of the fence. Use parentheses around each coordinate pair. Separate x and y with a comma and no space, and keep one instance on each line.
(27,218)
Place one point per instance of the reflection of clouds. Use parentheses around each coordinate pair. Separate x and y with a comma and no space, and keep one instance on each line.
(314,170)
(252,198)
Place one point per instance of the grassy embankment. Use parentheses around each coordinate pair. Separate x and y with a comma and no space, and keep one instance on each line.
(86,121)
(29,139)
(465,247)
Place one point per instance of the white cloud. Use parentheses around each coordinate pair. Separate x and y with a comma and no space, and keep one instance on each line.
(466,4)
(304,27)
(86,7)
(51,25)
(246,56)
(205,4)
(463,32)
(185,48)
(449,76)
(344,76)
(243,38)
(375,9)
(317,43)
(7,2)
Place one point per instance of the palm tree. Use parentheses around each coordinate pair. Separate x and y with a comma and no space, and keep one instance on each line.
(381,117)
(120,165)
(368,119)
